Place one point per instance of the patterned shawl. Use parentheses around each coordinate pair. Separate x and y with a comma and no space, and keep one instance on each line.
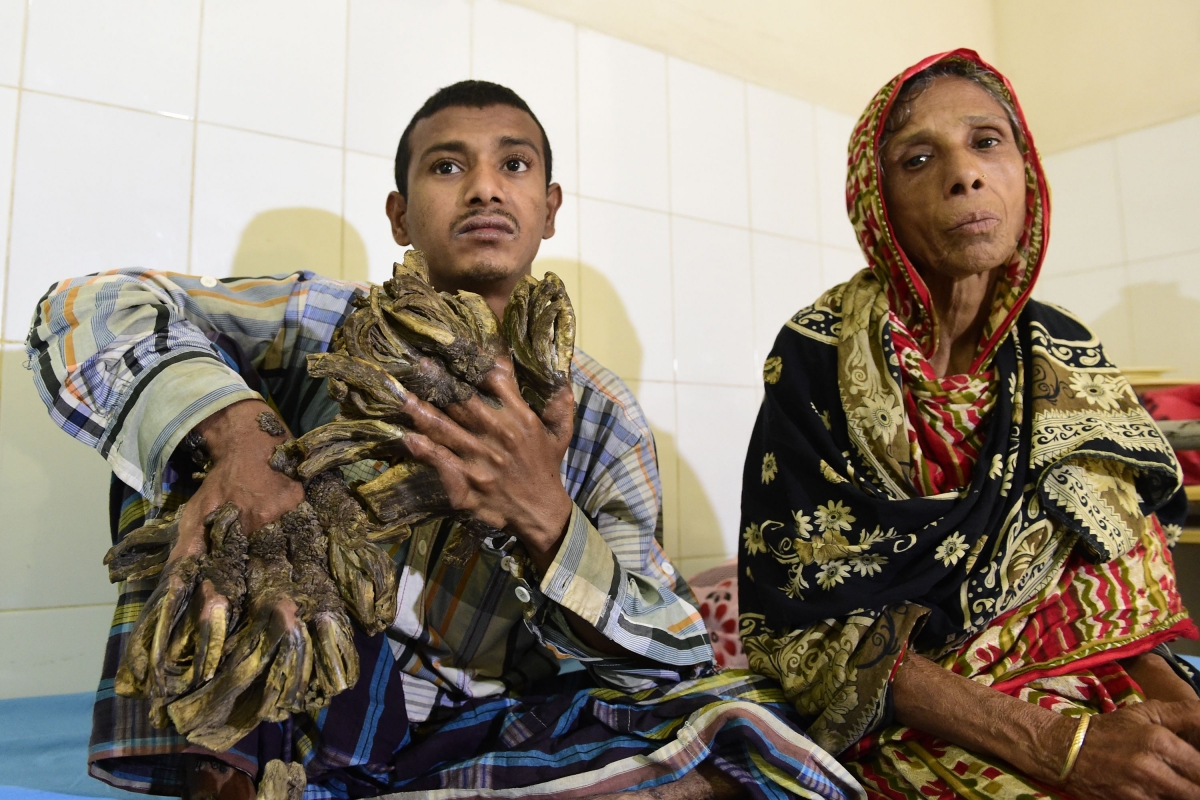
(843,562)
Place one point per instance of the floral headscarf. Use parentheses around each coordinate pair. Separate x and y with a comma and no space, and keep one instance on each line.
(936,448)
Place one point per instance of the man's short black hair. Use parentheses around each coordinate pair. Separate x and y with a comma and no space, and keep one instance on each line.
(464,94)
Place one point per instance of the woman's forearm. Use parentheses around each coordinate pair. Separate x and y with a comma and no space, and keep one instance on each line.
(1157,679)
(978,718)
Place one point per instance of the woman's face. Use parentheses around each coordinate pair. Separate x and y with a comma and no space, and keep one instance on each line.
(954,181)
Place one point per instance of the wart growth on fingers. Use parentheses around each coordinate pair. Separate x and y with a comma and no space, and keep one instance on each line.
(269,423)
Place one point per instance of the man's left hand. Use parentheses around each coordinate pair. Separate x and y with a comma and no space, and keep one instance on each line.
(501,464)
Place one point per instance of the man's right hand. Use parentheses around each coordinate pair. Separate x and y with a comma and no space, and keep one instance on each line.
(239,474)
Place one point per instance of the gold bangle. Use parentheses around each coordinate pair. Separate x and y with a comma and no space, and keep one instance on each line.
(1076,746)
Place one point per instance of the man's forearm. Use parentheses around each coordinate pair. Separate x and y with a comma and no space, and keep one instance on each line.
(978,718)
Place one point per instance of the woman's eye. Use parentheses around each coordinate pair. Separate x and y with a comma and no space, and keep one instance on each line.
(987,142)
(515,165)
(446,168)
(916,161)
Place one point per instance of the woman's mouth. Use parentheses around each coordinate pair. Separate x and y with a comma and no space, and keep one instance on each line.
(975,222)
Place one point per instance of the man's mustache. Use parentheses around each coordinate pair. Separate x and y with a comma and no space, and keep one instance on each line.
(481,212)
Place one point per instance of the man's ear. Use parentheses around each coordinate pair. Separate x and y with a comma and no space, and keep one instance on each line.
(397,211)
(553,203)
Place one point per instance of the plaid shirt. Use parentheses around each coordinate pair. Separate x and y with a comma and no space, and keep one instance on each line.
(129,361)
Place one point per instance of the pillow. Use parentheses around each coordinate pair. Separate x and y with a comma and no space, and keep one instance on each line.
(717,591)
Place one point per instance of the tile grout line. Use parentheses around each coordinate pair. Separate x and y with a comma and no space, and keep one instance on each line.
(70,607)
(758,357)
(678,512)
(12,178)
(187,268)
(345,126)
(816,163)
(471,40)
(1129,316)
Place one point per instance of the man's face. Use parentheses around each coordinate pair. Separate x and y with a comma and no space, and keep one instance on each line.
(477,205)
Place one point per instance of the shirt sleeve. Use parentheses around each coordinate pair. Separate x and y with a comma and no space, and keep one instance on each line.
(125,361)
(611,571)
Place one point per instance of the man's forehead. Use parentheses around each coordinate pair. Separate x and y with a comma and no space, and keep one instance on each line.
(490,126)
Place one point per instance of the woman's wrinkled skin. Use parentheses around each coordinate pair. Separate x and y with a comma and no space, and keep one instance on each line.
(954,186)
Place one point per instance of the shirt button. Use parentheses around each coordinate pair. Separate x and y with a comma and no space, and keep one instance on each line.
(208,281)
(522,594)
(422,547)
(509,565)
(669,568)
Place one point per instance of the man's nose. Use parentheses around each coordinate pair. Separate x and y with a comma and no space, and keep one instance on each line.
(484,187)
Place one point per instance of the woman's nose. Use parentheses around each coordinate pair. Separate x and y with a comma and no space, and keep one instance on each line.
(966,175)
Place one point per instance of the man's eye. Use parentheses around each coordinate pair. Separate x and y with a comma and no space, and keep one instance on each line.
(515,165)
(446,168)
(916,161)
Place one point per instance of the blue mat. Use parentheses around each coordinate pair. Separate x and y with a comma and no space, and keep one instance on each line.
(43,749)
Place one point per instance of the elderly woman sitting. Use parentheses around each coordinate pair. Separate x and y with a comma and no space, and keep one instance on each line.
(950,559)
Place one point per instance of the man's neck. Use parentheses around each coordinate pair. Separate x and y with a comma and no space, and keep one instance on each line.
(494,293)
(961,307)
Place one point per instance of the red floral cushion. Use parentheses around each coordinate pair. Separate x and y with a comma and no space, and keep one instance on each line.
(717,591)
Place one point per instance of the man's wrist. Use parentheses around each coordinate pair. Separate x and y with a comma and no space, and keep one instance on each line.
(235,428)
(543,534)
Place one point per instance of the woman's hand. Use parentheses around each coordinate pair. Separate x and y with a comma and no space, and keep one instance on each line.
(1140,752)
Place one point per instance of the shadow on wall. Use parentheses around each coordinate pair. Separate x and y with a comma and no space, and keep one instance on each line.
(692,531)
(1154,312)
(290,239)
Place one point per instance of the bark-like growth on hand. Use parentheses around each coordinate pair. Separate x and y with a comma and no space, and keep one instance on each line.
(279,640)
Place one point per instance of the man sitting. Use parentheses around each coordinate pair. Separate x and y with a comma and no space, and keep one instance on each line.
(462,691)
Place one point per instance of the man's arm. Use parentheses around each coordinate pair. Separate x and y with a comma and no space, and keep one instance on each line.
(612,591)
(125,362)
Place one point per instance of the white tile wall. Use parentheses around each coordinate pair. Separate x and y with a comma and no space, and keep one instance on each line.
(708,144)
(115,197)
(833,139)
(401,52)
(1085,229)
(783,180)
(67,660)
(534,55)
(264,205)
(714,329)
(626,261)
(368,183)
(714,428)
(8,135)
(1163,299)
(275,66)
(1159,170)
(12,35)
(700,212)
(52,549)
(839,264)
(787,277)
(1096,297)
(93,52)
(623,142)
